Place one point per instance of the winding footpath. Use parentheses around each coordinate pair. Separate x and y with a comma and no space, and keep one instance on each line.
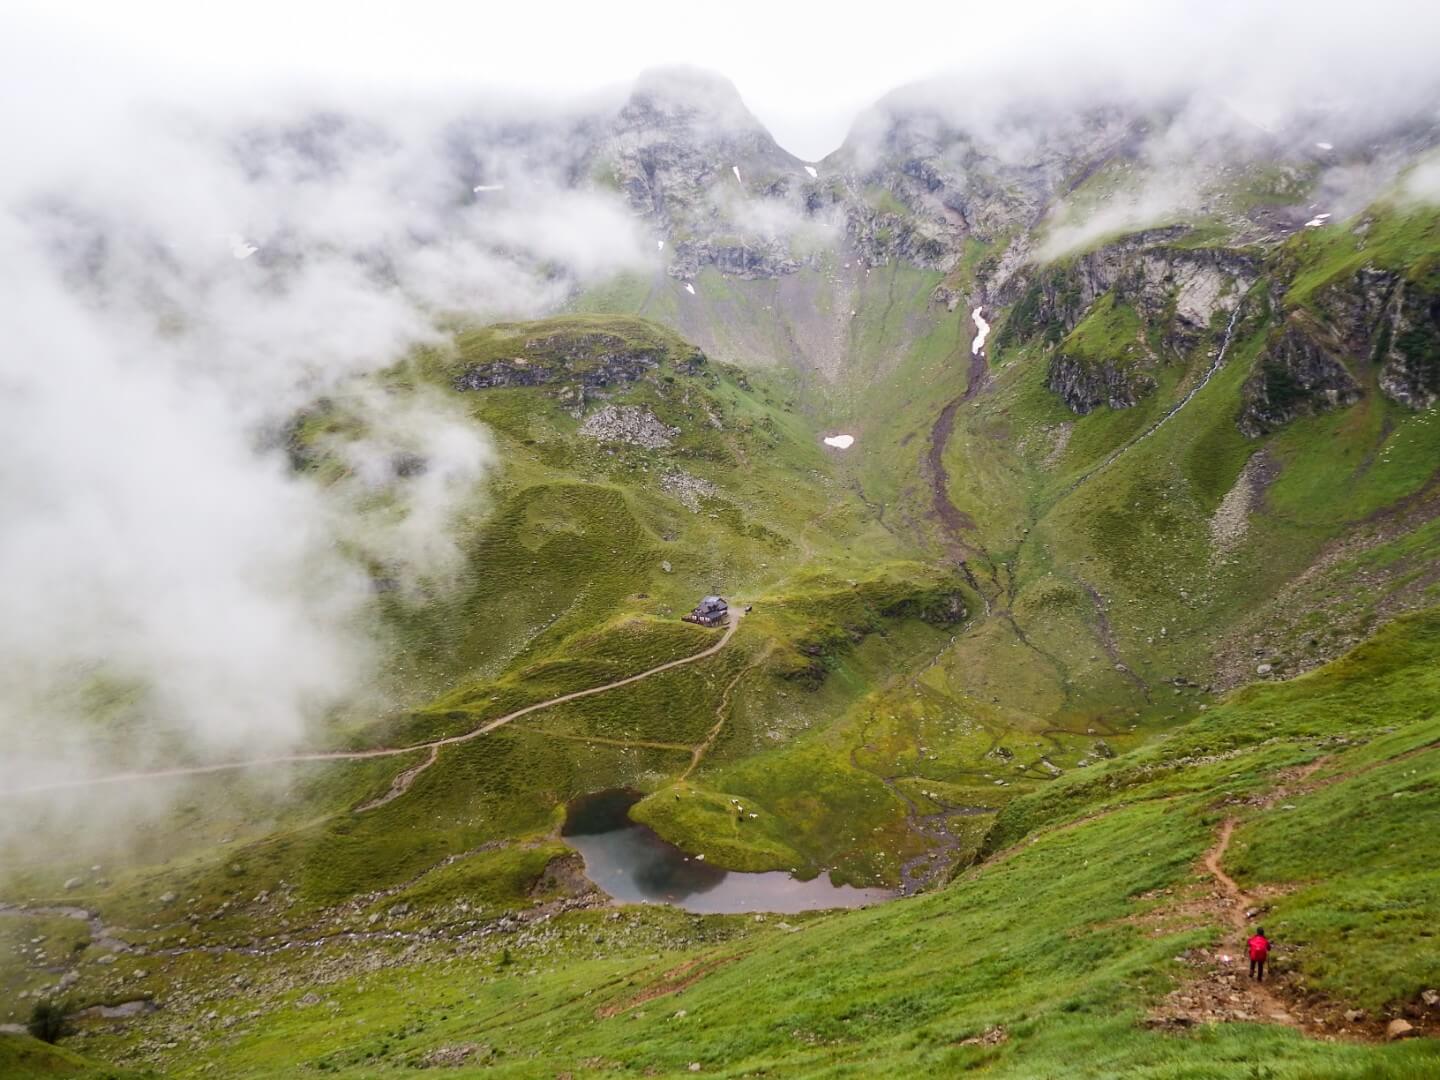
(401,783)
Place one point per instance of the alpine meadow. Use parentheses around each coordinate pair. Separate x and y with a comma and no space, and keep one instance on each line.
(511,581)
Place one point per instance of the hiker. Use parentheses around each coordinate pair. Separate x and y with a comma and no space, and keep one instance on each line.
(1259,947)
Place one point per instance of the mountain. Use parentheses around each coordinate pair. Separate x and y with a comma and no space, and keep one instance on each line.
(1113,625)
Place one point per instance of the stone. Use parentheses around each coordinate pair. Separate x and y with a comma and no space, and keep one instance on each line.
(1430,997)
(1264,669)
(167,898)
(1400,1029)
(73,883)
(634,425)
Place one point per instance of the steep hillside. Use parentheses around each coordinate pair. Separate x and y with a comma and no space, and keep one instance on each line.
(1093,938)
(1112,625)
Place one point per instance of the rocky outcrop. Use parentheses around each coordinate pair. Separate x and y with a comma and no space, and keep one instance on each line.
(634,425)
(1298,374)
(686,489)
(594,360)
(1371,317)
(751,258)
(1178,287)
(1409,351)
(1085,385)
(1395,323)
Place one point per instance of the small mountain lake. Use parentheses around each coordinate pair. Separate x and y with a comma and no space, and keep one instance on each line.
(633,864)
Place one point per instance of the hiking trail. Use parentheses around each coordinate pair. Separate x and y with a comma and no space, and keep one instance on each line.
(402,783)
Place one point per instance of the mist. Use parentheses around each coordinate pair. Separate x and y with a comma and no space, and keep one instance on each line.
(177,284)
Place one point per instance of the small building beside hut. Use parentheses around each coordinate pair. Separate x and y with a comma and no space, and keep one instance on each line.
(711,611)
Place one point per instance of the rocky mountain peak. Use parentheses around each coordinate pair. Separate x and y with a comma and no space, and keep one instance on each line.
(687,99)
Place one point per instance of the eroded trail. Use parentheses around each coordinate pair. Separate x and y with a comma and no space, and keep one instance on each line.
(401,783)
(1219,988)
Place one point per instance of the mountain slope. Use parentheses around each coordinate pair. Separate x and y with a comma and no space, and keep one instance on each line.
(1105,628)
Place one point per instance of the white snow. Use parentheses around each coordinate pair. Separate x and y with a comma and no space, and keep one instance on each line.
(240,247)
(487,187)
(983,331)
(811,170)
(659,245)
(1325,145)
(736,170)
(690,288)
(840,442)
(1316,221)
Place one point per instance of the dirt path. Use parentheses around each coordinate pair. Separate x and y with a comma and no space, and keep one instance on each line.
(722,713)
(1220,988)
(402,783)
(1226,991)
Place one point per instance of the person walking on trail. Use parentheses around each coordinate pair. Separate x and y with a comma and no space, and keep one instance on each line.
(1259,948)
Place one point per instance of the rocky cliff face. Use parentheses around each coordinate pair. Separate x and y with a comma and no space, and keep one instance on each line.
(1409,347)
(1299,374)
(693,162)
(1084,385)
(1178,294)
(958,176)
(1185,287)
(1373,320)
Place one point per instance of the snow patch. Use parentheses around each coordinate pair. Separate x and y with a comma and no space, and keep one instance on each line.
(840,442)
(736,170)
(659,245)
(1316,221)
(814,175)
(478,188)
(690,288)
(982,331)
(1325,145)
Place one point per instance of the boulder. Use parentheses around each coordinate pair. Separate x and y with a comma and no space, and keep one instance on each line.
(1400,1029)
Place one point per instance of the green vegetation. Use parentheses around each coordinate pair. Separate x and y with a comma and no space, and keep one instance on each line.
(998,654)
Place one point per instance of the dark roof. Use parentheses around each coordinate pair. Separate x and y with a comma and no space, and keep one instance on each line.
(713,600)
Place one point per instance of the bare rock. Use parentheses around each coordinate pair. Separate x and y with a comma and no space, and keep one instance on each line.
(635,425)
(1400,1029)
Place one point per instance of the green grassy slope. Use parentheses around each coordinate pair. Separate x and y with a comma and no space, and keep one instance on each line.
(1044,959)
(992,630)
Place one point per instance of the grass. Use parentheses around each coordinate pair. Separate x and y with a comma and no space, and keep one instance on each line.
(1042,941)
(1071,710)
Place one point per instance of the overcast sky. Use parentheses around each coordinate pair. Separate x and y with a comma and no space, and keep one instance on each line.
(804,69)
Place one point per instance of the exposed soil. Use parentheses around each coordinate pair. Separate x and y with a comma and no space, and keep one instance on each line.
(674,981)
(1217,987)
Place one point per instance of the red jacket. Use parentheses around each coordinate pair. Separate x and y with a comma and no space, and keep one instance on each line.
(1259,947)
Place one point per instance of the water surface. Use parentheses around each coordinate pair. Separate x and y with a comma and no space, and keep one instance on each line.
(632,863)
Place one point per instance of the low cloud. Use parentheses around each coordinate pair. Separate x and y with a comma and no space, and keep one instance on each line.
(176,285)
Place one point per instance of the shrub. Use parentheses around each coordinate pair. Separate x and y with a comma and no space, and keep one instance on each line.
(47,1021)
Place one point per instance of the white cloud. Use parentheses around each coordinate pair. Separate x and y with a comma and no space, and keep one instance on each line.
(155,536)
